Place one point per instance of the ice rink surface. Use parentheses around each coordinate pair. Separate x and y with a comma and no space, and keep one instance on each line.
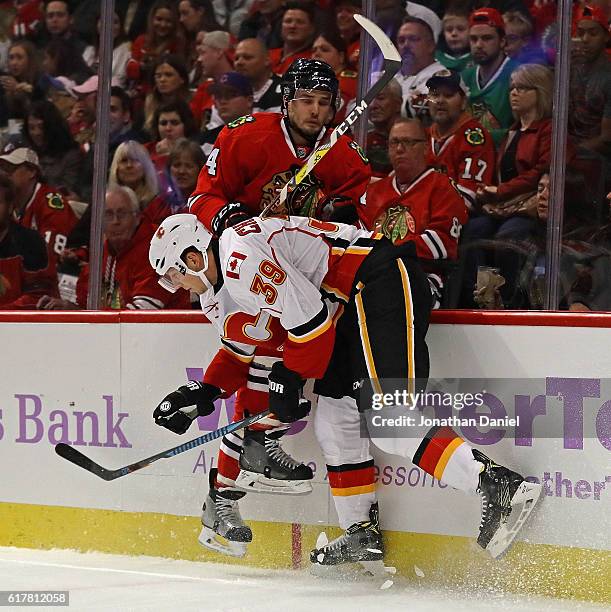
(113,583)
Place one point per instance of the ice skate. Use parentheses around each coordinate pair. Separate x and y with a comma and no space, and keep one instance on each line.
(507,501)
(266,468)
(223,529)
(362,542)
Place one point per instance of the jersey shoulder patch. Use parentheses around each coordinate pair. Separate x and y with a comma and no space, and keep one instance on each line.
(356,147)
(475,136)
(55,201)
(349,74)
(241,121)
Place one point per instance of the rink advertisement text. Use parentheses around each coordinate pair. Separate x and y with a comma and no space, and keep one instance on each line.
(486,411)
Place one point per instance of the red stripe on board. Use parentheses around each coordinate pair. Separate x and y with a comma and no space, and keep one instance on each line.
(296,545)
(440,317)
(525,318)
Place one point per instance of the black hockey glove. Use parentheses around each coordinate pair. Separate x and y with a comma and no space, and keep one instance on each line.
(231,214)
(177,410)
(285,397)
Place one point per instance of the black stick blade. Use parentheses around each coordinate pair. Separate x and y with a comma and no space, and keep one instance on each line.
(75,456)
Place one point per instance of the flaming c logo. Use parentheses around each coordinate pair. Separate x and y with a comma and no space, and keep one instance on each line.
(160,232)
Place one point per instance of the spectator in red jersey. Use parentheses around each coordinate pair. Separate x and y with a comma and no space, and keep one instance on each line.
(21,83)
(26,273)
(349,29)
(214,61)
(162,36)
(384,110)
(171,122)
(297,33)
(170,83)
(264,23)
(28,18)
(132,167)
(126,282)
(252,61)
(329,47)
(459,145)
(38,205)
(416,203)
(524,154)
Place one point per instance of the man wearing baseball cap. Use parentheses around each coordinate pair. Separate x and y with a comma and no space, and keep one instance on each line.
(458,144)
(590,92)
(488,80)
(233,98)
(37,205)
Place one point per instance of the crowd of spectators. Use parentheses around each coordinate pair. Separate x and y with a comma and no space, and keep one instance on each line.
(472,101)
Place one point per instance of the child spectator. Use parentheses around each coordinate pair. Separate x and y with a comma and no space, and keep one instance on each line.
(454,51)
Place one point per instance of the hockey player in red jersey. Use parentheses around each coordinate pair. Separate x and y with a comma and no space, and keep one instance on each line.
(459,145)
(250,345)
(256,155)
(355,309)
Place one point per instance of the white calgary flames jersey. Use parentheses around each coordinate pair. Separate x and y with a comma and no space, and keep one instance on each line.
(299,271)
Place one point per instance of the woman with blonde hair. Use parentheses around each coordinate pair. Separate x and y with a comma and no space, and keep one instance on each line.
(132,167)
(507,211)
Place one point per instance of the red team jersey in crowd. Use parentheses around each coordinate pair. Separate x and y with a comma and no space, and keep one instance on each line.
(467,156)
(127,282)
(299,271)
(253,159)
(50,215)
(430,212)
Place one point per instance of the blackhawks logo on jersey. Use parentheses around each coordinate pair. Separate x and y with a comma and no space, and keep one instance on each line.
(396,222)
(240,121)
(55,201)
(355,146)
(475,136)
(303,200)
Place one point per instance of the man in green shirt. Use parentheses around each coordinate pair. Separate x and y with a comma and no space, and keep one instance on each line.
(488,80)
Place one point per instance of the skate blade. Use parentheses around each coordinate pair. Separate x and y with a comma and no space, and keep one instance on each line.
(379,571)
(258,483)
(524,500)
(213,541)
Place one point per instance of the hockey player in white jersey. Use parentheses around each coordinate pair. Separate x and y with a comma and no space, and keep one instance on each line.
(356,310)
(248,461)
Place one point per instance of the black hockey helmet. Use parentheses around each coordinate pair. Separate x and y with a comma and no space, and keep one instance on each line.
(309,74)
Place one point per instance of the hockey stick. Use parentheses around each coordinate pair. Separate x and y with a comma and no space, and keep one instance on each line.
(75,456)
(392,63)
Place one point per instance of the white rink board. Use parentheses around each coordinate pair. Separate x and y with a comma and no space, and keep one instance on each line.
(53,370)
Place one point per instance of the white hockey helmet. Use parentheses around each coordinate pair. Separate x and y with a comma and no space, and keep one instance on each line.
(176,234)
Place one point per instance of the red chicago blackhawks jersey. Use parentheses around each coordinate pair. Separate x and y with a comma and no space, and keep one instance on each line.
(50,215)
(467,155)
(254,158)
(299,271)
(430,212)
